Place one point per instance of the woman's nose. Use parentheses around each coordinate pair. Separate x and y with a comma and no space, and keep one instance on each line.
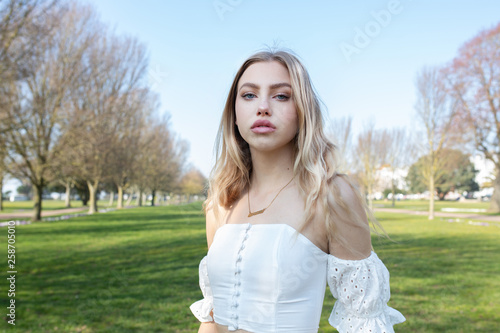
(264,109)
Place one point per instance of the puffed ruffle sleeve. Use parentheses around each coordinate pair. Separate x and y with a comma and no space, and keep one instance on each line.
(202,308)
(362,290)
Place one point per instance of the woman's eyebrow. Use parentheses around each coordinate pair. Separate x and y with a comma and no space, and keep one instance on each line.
(280,85)
(248,84)
(273,86)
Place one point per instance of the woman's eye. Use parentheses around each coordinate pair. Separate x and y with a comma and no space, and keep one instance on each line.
(249,96)
(282,97)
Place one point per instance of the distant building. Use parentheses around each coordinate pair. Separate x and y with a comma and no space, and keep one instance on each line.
(385,177)
(18,197)
(486,169)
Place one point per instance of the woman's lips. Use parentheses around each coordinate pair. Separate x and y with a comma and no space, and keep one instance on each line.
(263,126)
(263,129)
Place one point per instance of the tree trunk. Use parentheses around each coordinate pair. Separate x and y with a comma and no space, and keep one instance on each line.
(393,193)
(37,208)
(119,204)
(431,199)
(139,199)
(129,200)
(93,196)
(495,197)
(111,198)
(67,201)
(153,195)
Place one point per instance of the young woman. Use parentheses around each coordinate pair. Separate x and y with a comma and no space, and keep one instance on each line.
(281,222)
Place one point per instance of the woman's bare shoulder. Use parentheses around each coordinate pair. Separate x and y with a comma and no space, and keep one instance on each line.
(215,217)
(348,200)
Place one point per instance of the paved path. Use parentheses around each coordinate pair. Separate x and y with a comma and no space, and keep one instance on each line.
(470,216)
(29,214)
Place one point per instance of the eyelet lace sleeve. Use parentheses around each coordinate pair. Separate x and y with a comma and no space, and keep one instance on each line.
(202,308)
(362,290)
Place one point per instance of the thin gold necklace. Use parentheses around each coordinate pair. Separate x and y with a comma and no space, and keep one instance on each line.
(250,214)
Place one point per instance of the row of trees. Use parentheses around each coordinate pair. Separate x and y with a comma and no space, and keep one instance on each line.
(75,105)
(381,153)
(76,108)
(458,108)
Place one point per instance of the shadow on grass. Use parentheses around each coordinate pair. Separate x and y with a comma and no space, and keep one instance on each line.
(109,272)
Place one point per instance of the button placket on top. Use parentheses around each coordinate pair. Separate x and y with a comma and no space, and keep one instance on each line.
(237,282)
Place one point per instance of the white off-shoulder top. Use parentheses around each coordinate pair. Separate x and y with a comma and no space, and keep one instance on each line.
(270,278)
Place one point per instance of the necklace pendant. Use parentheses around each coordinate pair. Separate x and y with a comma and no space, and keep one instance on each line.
(256,213)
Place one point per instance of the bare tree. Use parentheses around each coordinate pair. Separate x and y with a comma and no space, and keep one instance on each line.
(473,78)
(371,154)
(127,142)
(114,77)
(400,151)
(193,182)
(34,116)
(64,168)
(436,112)
(16,20)
(162,158)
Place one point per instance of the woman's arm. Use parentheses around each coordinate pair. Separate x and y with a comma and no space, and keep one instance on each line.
(207,328)
(351,225)
(211,227)
(358,279)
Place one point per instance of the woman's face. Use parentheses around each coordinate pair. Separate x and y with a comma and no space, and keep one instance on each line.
(265,111)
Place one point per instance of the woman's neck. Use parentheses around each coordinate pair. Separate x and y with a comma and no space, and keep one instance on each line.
(271,170)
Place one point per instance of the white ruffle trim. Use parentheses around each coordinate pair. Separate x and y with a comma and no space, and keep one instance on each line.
(202,308)
(382,323)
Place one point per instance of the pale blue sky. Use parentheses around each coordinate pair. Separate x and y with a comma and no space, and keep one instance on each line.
(196,50)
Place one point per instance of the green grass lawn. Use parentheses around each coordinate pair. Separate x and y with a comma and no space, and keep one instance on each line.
(423,205)
(136,270)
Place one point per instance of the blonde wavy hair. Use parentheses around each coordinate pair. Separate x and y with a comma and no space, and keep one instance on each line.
(314,154)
